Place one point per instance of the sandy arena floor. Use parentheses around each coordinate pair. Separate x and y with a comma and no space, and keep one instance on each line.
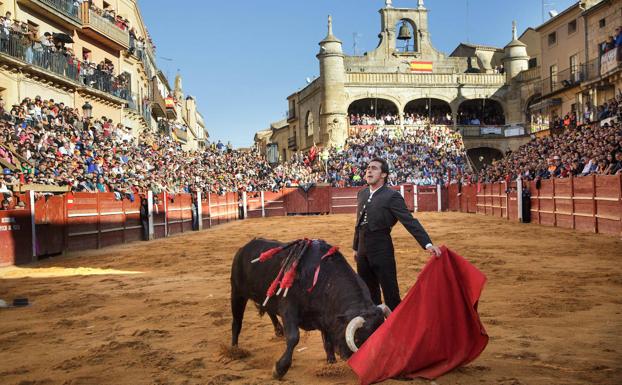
(157,312)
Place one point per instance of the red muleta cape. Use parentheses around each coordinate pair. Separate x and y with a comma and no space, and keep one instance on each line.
(434,329)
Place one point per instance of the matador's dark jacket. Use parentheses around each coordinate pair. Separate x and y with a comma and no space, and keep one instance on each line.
(383,211)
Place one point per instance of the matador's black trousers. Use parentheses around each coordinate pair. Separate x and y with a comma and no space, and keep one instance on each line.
(375,264)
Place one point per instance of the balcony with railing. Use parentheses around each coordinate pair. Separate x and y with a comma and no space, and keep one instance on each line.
(291,114)
(529,75)
(103,30)
(426,78)
(605,65)
(45,63)
(570,77)
(66,12)
(291,143)
(181,134)
(490,131)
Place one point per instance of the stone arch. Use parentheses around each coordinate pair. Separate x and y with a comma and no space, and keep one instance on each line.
(374,108)
(438,110)
(532,100)
(481,156)
(488,111)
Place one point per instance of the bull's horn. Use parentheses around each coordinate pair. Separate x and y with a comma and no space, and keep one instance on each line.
(385,310)
(352,327)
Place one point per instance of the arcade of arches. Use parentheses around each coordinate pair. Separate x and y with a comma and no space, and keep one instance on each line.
(379,111)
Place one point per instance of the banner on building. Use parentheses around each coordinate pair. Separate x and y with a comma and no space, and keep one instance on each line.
(491,131)
(608,61)
(420,66)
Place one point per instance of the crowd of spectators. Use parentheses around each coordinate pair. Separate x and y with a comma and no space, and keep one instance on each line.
(578,150)
(46,142)
(43,142)
(381,119)
(434,118)
(425,155)
(613,41)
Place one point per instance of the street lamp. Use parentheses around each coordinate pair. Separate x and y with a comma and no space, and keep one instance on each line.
(87,110)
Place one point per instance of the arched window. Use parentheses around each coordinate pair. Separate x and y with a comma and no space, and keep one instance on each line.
(477,112)
(373,111)
(406,36)
(427,110)
(309,123)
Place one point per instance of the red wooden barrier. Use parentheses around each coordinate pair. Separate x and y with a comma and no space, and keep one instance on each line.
(296,201)
(454,197)
(111,220)
(16,236)
(426,198)
(584,203)
(205,209)
(608,196)
(274,203)
(319,200)
(512,203)
(562,201)
(343,200)
(159,215)
(133,229)
(50,224)
(82,232)
(254,205)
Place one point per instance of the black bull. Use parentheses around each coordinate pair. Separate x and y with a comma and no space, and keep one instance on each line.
(339,306)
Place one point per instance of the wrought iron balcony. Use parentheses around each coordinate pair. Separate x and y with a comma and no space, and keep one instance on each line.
(103,30)
(62,11)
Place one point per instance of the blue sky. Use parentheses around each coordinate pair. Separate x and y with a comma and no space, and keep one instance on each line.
(241,59)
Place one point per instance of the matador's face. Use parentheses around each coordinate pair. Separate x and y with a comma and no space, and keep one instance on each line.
(373,173)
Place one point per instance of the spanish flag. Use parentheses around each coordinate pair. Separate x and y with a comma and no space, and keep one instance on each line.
(420,66)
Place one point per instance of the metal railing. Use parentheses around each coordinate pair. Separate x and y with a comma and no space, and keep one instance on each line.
(61,64)
(564,79)
(107,28)
(66,7)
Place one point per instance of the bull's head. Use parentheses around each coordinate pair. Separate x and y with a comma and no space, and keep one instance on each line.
(361,327)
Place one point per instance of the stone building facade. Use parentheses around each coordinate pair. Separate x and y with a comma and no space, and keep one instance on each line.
(402,76)
(136,105)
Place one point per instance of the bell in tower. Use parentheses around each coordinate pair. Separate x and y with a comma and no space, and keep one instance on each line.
(404,32)
(405,35)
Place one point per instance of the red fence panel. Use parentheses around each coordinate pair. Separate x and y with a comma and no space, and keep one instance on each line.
(343,200)
(547,203)
(16,236)
(319,200)
(111,220)
(173,214)
(608,195)
(205,210)
(426,198)
(82,221)
(564,212)
(296,201)
(584,203)
(453,199)
(50,224)
(407,191)
(274,204)
(159,215)
(133,225)
(254,206)
(512,202)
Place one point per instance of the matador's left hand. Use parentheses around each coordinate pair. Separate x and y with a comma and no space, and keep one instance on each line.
(434,251)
